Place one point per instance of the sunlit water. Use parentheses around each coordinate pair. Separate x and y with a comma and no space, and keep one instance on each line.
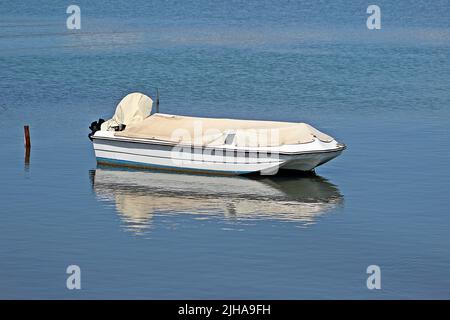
(385,201)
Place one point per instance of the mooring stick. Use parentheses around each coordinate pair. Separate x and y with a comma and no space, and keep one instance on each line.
(27,140)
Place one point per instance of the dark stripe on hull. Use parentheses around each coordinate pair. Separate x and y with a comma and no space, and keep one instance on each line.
(141,165)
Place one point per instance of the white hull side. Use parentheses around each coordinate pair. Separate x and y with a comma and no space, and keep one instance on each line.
(307,162)
(135,154)
(153,156)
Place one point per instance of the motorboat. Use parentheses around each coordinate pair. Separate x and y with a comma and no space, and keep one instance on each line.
(136,137)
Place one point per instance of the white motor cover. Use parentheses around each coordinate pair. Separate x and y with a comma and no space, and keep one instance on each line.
(133,108)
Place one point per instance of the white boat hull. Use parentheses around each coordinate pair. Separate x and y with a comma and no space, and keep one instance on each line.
(150,154)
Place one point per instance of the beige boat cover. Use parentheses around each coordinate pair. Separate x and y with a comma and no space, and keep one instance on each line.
(212,131)
(132,109)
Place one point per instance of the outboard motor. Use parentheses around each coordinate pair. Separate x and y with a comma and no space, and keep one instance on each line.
(95,126)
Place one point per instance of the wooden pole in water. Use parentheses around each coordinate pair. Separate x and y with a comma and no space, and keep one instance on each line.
(27,142)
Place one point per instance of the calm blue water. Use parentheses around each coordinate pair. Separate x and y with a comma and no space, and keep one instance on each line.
(385,201)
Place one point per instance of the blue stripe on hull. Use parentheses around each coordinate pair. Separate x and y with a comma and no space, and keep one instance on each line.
(127,163)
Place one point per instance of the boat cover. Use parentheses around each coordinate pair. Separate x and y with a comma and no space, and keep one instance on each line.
(133,108)
(213,131)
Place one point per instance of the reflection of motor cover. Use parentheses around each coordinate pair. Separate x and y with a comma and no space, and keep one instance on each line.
(132,109)
(208,131)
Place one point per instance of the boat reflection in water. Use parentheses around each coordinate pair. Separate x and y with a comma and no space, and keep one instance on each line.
(139,196)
